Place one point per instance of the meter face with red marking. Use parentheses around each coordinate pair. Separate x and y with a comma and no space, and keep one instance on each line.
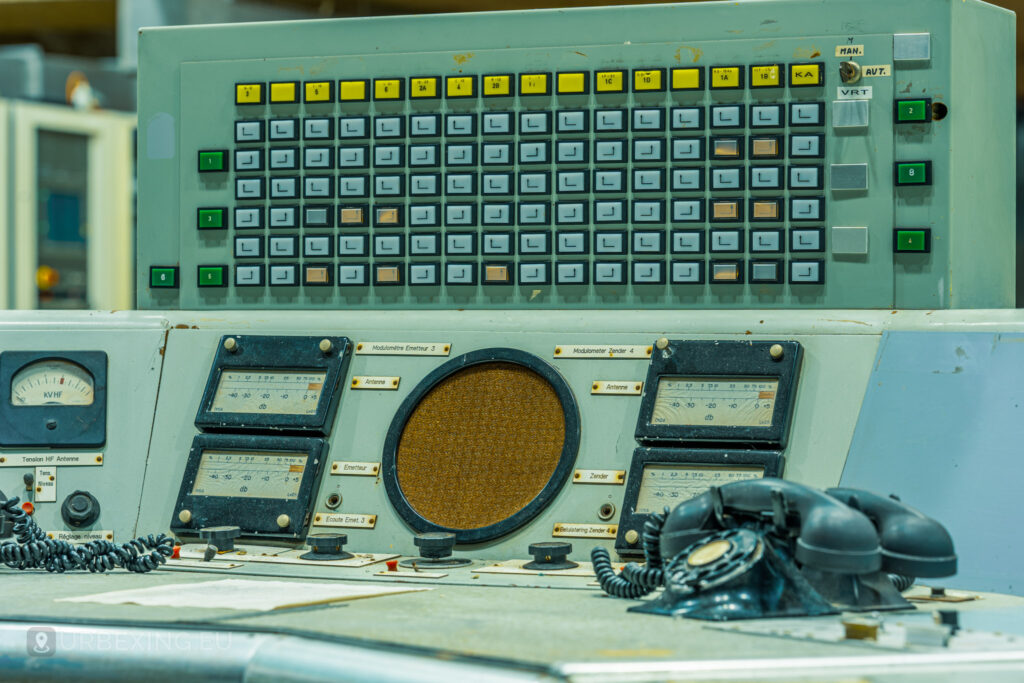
(52,382)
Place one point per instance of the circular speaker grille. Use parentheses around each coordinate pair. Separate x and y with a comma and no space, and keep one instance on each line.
(480,447)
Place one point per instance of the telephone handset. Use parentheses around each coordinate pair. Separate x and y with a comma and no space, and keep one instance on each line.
(770,547)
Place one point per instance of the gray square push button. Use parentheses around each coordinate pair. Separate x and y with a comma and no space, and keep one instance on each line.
(497,124)
(766,116)
(387,127)
(460,273)
(571,273)
(283,275)
(645,272)
(687,272)
(687,242)
(248,131)
(283,129)
(423,274)
(609,211)
(850,240)
(609,273)
(687,118)
(283,217)
(248,160)
(248,217)
(423,214)
(497,214)
(534,243)
(352,127)
(496,154)
(534,274)
(352,274)
(609,243)
(424,125)
(572,121)
(316,129)
(766,241)
(609,120)
(424,245)
(319,245)
(848,177)
(249,188)
(423,155)
(850,113)
(499,243)
(283,247)
(352,245)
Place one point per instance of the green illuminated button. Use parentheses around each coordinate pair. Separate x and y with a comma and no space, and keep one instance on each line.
(163,276)
(210,162)
(909,111)
(212,276)
(210,219)
(912,173)
(916,240)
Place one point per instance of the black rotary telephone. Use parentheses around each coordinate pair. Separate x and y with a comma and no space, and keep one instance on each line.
(774,548)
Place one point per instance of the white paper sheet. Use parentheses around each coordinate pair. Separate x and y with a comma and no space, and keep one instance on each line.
(243,594)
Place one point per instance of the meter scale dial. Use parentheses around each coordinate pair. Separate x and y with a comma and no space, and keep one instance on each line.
(53,398)
(52,383)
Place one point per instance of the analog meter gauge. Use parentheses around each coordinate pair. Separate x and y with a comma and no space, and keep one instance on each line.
(53,398)
(274,384)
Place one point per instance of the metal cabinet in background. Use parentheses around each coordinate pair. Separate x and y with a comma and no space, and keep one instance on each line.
(67,207)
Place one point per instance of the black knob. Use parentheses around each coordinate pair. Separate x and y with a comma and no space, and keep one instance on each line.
(326,547)
(80,509)
(435,544)
(550,555)
(327,544)
(220,537)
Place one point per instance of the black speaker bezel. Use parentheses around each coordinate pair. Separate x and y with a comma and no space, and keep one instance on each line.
(559,477)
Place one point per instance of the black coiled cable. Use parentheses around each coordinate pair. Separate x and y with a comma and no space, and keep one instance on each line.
(33,549)
(901,581)
(635,581)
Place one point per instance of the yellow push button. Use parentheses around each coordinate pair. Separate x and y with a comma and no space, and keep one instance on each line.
(423,87)
(387,89)
(352,91)
(691,78)
(284,92)
(352,215)
(725,148)
(248,93)
(764,148)
(765,209)
(498,86)
(725,271)
(572,83)
(318,91)
(387,275)
(534,84)
(317,275)
(648,80)
(496,274)
(388,216)
(726,77)
(610,81)
(805,75)
(765,76)
(459,86)
(725,209)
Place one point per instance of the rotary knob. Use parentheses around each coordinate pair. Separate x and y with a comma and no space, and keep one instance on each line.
(435,544)
(220,537)
(550,556)
(324,547)
(435,551)
(80,509)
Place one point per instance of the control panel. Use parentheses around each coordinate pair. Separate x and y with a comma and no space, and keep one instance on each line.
(791,160)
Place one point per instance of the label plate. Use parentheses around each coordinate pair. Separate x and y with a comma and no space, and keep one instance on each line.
(599,476)
(355,469)
(603,351)
(380,383)
(347,521)
(568,530)
(46,485)
(84,536)
(403,348)
(611,387)
(845,92)
(49,459)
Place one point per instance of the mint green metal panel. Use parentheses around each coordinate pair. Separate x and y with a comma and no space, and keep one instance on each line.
(186,104)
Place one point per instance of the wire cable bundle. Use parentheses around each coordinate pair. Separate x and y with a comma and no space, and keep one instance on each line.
(33,549)
(634,581)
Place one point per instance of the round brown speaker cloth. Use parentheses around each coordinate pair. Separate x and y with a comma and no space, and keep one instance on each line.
(480,446)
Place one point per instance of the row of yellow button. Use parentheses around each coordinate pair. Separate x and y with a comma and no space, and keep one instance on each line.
(566,83)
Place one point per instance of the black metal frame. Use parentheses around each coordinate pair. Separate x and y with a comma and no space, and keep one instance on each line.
(722,359)
(256,517)
(50,425)
(561,474)
(274,352)
(630,520)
